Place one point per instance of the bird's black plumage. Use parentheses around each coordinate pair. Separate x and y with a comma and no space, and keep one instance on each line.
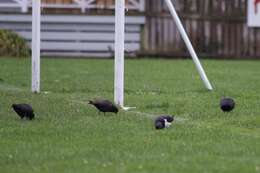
(227,104)
(104,106)
(169,118)
(160,122)
(24,111)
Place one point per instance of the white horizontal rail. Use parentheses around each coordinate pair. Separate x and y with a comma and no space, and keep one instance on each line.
(71,19)
(82,36)
(9,5)
(78,4)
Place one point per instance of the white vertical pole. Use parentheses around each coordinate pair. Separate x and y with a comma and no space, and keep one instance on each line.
(119,52)
(36,31)
(142,5)
(24,5)
(189,45)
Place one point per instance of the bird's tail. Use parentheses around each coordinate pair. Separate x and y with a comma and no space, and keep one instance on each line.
(90,102)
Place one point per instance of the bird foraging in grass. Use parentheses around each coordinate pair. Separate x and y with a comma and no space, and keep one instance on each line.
(104,106)
(163,121)
(227,104)
(24,111)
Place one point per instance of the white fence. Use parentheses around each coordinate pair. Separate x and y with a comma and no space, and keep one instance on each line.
(83,5)
(76,35)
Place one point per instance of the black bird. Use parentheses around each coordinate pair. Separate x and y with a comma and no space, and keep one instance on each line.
(159,124)
(163,121)
(227,104)
(24,110)
(104,106)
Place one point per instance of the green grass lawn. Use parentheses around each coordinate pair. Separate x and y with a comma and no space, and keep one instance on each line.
(68,135)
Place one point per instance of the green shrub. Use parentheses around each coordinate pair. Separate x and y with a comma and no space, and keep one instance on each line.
(11,44)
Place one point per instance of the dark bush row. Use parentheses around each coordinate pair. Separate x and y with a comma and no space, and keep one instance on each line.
(12,45)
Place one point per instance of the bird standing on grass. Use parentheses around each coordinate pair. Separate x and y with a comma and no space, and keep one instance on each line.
(227,104)
(104,106)
(163,121)
(24,111)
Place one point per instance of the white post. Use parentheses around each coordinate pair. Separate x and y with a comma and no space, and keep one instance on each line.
(119,52)
(36,31)
(142,5)
(24,6)
(189,45)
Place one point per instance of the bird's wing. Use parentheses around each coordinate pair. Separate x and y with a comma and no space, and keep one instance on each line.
(108,102)
(26,107)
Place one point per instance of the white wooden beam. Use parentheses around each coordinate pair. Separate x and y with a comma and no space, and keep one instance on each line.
(36,31)
(23,4)
(142,5)
(119,52)
(188,44)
